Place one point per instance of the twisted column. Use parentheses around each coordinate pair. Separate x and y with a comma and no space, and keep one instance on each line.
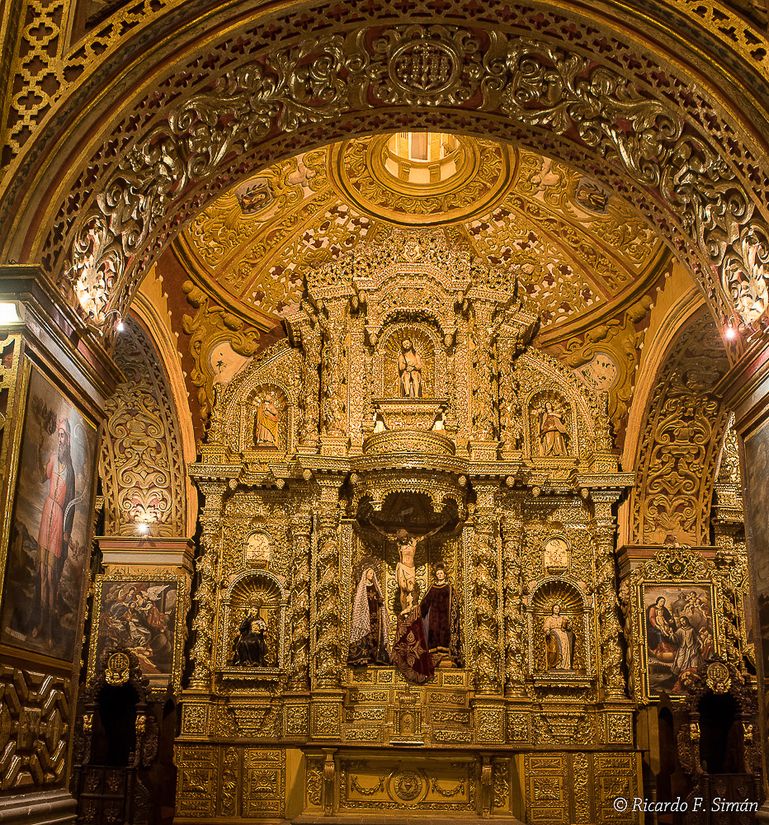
(205,593)
(301,550)
(485,598)
(328,647)
(603,528)
(512,598)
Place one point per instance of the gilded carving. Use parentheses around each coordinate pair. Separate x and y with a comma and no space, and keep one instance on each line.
(655,150)
(682,434)
(141,463)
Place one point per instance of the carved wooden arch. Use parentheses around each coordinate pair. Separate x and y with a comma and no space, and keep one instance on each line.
(141,460)
(574,89)
(719,677)
(128,673)
(680,440)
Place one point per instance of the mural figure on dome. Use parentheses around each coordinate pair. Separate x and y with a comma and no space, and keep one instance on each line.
(369,639)
(552,431)
(410,370)
(559,641)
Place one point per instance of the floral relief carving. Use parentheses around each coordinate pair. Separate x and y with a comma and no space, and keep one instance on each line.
(141,463)
(681,440)
(535,84)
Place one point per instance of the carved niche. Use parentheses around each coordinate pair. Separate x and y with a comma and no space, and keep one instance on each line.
(259,595)
(559,632)
(256,413)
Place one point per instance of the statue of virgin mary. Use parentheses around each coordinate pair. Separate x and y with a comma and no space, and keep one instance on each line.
(369,641)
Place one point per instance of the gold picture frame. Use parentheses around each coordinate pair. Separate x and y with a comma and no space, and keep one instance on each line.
(678,621)
(133,621)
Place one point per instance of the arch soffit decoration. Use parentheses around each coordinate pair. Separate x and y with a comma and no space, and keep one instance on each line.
(532,90)
(681,440)
(141,460)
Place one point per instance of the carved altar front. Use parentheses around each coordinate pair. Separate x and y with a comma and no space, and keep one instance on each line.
(407,439)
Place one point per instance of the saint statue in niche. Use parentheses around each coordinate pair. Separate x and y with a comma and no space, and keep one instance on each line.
(552,431)
(559,641)
(369,640)
(410,370)
(440,614)
(250,646)
(266,424)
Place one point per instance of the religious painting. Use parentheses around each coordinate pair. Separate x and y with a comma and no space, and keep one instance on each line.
(757,524)
(679,633)
(140,615)
(48,549)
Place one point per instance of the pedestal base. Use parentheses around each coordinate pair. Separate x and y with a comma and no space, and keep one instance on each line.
(42,808)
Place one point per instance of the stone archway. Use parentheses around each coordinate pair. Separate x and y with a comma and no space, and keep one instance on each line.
(534,75)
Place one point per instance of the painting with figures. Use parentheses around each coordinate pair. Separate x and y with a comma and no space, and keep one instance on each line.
(679,633)
(139,616)
(48,547)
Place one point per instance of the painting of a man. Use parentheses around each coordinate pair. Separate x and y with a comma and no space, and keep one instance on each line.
(48,552)
(55,528)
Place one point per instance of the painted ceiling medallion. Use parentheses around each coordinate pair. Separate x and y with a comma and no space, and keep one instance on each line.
(422,178)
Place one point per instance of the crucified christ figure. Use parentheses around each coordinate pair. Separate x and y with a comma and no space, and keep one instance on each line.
(405,569)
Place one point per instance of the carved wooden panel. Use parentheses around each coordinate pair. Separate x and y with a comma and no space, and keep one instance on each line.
(34,728)
(141,462)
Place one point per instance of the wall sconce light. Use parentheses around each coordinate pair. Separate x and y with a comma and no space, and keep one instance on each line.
(143,528)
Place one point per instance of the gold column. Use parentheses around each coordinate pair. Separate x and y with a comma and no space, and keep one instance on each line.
(485,579)
(301,549)
(309,405)
(603,528)
(327,652)
(206,564)
(512,579)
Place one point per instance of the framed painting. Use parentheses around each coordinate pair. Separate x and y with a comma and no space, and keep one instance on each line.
(756,509)
(49,538)
(679,633)
(144,614)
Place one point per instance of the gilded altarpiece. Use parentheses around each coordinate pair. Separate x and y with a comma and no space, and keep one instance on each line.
(406,593)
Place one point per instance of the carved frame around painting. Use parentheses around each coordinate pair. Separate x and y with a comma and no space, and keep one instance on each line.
(51,406)
(674,567)
(179,624)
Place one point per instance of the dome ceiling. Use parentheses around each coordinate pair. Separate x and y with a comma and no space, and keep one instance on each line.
(576,249)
